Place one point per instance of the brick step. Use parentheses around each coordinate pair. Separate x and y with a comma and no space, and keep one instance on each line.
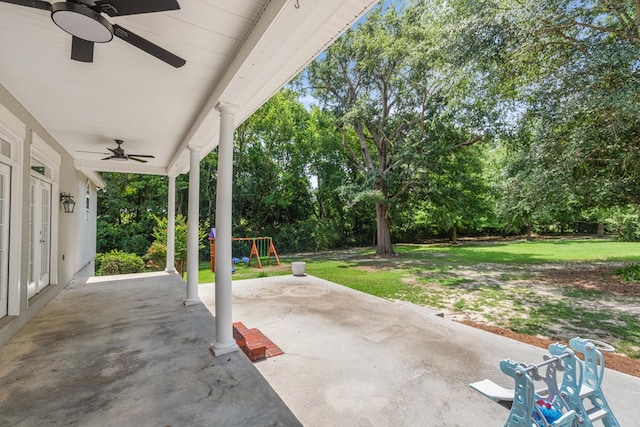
(254,343)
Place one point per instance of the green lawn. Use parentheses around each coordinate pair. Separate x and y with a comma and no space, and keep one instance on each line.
(491,282)
(523,252)
(205,275)
(384,275)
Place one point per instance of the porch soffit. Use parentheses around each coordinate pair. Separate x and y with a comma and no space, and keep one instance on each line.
(238,52)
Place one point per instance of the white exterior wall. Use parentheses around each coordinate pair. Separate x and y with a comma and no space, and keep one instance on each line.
(73,236)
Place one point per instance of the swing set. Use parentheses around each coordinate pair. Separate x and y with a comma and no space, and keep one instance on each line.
(261,247)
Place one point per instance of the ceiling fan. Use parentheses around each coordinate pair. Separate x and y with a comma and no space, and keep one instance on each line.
(119,154)
(83,19)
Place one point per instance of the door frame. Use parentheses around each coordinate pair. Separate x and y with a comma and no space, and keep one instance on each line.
(11,154)
(43,156)
(5,207)
(40,243)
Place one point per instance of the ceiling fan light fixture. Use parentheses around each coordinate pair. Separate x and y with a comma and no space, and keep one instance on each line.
(82,22)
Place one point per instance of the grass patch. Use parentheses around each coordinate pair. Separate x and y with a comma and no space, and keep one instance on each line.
(584,294)
(629,273)
(535,252)
(446,281)
(205,275)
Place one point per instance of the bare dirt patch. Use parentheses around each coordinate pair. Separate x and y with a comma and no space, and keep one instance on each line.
(585,277)
(600,278)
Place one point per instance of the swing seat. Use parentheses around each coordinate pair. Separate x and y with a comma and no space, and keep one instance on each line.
(567,420)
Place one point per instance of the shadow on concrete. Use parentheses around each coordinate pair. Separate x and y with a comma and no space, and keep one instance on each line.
(125,351)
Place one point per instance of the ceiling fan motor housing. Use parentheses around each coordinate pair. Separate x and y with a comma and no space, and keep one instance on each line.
(82,22)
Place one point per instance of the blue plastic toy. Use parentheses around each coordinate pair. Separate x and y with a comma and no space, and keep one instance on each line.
(547,410)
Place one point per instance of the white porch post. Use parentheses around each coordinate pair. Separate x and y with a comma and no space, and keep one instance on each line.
(171,226)
(224,329)
(193,225)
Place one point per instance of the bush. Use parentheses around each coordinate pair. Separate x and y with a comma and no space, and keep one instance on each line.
(629,273)
(118,262)
(625,223)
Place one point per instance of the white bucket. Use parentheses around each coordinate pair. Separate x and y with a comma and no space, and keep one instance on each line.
(297,268)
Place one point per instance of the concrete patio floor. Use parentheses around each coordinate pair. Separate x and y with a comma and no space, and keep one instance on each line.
(352,359)
(124,351)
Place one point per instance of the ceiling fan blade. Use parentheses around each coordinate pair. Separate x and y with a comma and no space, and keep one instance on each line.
(128,7)
(136,159)
(81,50)
(142,155)
(38,4)
(147,46)
(92,152)
(107,158)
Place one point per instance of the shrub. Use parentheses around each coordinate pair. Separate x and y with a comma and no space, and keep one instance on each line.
(629,273)
(118,262)
(156,255)
(625,222)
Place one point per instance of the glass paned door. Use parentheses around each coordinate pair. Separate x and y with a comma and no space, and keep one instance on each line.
(39,236)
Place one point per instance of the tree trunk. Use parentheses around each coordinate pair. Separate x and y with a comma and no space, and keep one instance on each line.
(600,229)
(383,226)
(529,238)
(181,266)
(454,234)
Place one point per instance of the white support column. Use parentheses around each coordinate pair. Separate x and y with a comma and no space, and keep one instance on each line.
(193,225)
(171,226)
(224,329)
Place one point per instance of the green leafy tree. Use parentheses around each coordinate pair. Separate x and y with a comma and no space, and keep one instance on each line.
(156,255)
(564,77)
(335,221)
(271,155)
(126,210)
(387,85)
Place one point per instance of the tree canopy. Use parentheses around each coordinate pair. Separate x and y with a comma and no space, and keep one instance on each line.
(434,118)
(395,103)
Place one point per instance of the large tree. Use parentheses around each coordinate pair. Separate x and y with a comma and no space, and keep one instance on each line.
(386,83)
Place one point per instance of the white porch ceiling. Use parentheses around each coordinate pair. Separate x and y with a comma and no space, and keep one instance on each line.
(239,52)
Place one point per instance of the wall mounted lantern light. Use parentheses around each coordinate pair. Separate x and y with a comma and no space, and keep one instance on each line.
(67,202)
